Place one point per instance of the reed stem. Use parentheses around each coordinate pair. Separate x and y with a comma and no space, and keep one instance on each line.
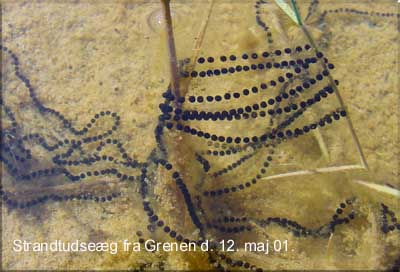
(196,49)
(332,83)
(171,47)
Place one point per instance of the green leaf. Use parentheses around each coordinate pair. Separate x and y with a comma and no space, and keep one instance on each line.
(288,10)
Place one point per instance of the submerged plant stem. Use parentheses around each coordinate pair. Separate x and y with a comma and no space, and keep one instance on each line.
(171,47)
(196,48)
(380,188)
(340,99)
(315,171)
(332,82)
(317,133)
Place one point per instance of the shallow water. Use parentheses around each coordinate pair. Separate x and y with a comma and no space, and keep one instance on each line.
(104,66)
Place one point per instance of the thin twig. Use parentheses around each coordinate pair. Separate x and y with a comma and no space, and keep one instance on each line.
(340,99)
(328,247)
(197,47)
(332,83)
(315,171)
(317,133)
(171,47)
(380,188)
